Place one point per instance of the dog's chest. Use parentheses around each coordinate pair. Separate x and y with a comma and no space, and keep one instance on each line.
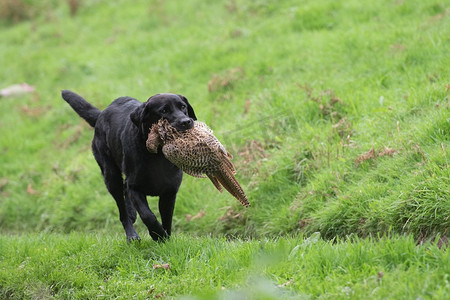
(156,176)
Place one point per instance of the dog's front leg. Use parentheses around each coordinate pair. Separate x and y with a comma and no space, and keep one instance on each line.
(155,228)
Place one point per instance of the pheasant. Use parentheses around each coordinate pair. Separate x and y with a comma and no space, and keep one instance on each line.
(197,152)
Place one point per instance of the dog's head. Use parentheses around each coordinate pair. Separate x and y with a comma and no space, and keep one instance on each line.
(174,108)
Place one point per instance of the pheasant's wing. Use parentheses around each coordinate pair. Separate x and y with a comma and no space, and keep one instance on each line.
(203,127)
(222,155)
(216,148)
(195,159)
(192,173)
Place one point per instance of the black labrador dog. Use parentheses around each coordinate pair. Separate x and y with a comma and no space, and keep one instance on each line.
(119,148)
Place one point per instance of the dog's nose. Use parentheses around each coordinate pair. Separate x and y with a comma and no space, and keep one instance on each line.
(186,124)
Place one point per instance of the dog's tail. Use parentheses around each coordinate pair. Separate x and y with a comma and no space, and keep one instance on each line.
(83,108)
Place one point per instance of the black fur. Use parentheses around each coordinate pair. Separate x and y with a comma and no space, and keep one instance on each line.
(119,148)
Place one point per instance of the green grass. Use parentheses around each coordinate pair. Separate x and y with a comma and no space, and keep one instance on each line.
(299,93)
(80,266)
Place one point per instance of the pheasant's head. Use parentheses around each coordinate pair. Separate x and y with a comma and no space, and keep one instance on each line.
(167,132)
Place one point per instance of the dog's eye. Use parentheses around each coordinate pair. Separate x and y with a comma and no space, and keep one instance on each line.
(183,107)
(165,110)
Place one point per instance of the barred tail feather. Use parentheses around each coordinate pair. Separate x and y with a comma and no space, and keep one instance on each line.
(229,182)
(216,183)
(227,163)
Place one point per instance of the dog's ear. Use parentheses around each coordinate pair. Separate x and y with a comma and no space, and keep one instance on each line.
(191,112)
(137,115)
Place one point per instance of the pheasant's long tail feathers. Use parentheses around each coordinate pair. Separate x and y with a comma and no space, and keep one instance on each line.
(228,163)
(229,182)
(216,183)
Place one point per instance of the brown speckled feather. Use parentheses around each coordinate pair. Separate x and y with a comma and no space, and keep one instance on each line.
(198,153)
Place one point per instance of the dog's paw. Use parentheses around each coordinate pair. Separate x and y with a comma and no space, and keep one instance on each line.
(162,236)
(133,238)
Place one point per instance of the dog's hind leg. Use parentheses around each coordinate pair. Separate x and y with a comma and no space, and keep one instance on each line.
(130,207)
(115,185)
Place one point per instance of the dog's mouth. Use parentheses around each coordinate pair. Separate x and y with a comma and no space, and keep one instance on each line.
(183,124)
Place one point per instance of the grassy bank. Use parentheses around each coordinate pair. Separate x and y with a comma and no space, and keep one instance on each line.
(336,113)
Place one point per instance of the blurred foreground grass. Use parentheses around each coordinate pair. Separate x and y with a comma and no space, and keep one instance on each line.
(80,266)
